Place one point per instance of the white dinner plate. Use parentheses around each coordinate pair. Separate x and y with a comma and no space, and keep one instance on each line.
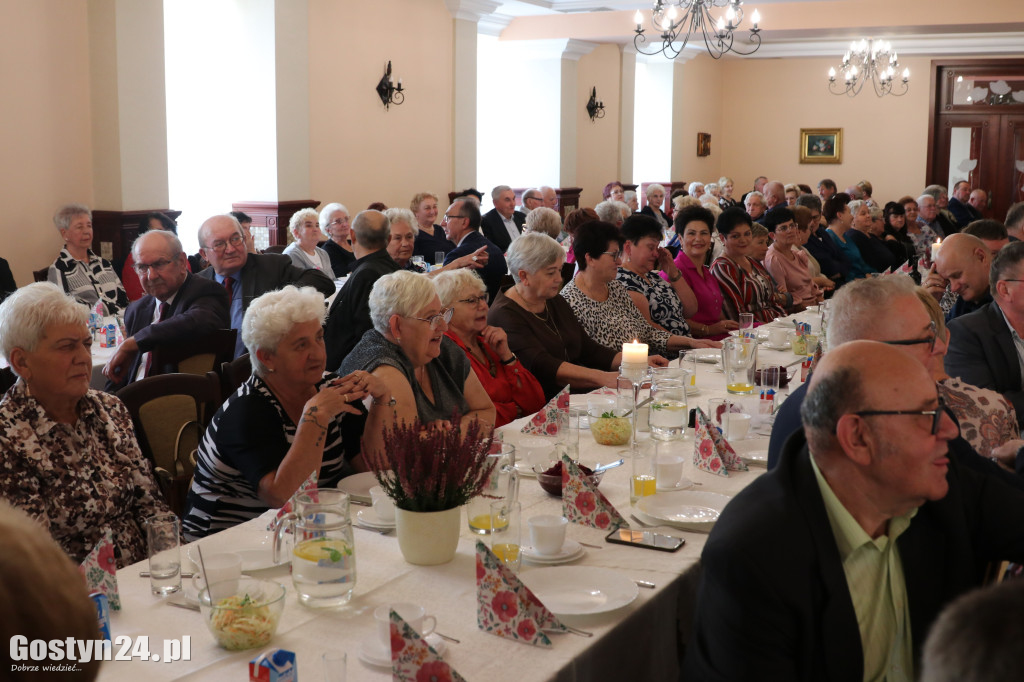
(256,556)
(686,509)
(580,590)
(755,457)
(571,550)
(372,653)
(368,517)
(358,486)
(707,355)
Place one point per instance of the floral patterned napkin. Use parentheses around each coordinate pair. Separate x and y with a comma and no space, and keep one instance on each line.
(583,503)
(100,570)
(545,422)
(287,507)
(505,606)
(712,452)
(412,659)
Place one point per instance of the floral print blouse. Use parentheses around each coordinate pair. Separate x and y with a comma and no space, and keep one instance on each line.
(986,419)
(665,306)
(78,480)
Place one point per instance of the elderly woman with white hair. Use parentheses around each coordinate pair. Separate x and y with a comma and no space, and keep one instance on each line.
(655,199)
(68,454)
(334,221)
(542,329)
(304,251)
(514,391)
(426,374)
(79,271)
(545,221)
(696,189)
(288,420)
(403,238)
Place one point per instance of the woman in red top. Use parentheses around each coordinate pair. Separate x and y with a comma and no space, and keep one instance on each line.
(513,390)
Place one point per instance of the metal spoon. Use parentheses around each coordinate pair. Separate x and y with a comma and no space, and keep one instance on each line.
(605,467)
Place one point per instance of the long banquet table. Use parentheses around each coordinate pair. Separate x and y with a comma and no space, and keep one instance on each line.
(640,641)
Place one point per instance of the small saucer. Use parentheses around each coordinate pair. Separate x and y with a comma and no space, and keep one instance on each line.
(371,653)
(682,484)
(368,517)
(571,550)
(785,346)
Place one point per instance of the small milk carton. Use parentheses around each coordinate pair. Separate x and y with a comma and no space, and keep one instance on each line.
(275,665)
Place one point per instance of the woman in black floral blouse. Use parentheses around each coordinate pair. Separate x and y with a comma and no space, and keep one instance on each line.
(68,455)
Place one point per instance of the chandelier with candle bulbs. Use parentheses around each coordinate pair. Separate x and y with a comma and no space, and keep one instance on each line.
(868,60)
(677,21)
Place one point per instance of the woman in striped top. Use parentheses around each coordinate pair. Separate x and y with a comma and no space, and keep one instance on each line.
(746,285)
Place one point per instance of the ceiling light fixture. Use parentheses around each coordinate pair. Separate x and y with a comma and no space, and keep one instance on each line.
(678,21)
(868,60)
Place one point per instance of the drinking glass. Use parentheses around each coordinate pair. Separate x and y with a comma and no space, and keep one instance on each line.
(569,432)
(501,486)
(771,380)
(668,406)
(644,480)
(162,536)
(746,325)
(439,258)
(335,664)
(506,532)
(739,357)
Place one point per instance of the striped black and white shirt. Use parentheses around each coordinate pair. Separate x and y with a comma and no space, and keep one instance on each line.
(246,440)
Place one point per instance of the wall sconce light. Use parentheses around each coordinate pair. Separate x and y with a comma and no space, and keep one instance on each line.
(388,92)
(595,108)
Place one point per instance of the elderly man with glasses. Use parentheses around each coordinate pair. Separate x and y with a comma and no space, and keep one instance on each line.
(177,307)
(986,347)
(834,565)
(247,276)
(461,223)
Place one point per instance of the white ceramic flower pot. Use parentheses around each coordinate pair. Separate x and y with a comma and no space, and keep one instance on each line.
(428,538)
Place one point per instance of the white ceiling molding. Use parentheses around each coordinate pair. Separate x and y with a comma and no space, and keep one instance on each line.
(574,49)
(948,44)
(692,50)
(471,10)
(494,24)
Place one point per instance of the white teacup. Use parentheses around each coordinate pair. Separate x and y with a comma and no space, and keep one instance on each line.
(777,336)
(412,614)
(223,570)
(547,533)
(736,425)
(383,506)
(670,470)
(535,450)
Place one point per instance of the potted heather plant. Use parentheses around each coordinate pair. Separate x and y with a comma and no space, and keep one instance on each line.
(430,474)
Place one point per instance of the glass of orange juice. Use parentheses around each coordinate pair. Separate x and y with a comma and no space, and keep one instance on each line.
(644,480)
(506,532)
(502,485)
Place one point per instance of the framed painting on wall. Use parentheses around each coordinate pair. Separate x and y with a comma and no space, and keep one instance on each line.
(703,144)
(821,145)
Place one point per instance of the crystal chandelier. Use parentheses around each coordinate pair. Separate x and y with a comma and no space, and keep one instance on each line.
(677,21)
(865,61)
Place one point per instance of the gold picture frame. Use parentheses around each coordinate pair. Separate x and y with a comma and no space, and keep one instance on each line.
(821,145)
(703,144)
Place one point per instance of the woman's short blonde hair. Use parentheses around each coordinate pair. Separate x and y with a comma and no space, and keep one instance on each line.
(30,311)
(402,293)
(544,220)
(934,311)
(299,216)
(42,595)
(452,283)
(419,198)
(682,201)
(402,215)
(272,316)
(725,180)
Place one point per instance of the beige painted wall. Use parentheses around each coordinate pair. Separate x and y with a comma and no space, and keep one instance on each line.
(45,131)
(361,153)
(597,142)
(697,108)
(765,103)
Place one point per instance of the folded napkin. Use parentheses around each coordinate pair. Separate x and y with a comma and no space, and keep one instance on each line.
(287,507)
(412,659)
(545,422)
(583,503)
(100,570)
(712,452)
(505,606)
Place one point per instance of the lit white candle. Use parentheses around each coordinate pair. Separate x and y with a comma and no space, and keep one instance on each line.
(936,247)
(634,353)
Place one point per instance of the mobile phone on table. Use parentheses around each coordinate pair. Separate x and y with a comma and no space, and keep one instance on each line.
(645,538)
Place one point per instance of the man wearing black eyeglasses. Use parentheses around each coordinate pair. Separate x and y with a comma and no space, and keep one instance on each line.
(247,276)
(461,224)
(834,565)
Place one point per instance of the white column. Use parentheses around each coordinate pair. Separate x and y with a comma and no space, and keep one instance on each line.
(291,71)
(627,98)
(570,106)
(466,15)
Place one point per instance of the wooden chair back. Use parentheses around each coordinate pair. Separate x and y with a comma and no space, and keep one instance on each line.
(198,356)
(170,413)
(7,379)
(233,374)
(41,275)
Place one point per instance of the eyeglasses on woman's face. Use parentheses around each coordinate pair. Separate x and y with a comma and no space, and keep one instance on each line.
(435,321)
(474,300)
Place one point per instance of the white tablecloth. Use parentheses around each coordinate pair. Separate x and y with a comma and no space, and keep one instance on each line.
(637,642)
